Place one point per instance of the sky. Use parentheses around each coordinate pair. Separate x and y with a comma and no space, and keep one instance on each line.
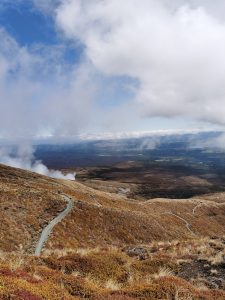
(71,67)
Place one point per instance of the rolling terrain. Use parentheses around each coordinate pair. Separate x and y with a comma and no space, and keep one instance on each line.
(174,166)
(108,246)
(145,180)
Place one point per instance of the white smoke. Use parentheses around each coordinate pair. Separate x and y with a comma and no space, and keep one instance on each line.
(22,157)
(215,143)
(150,143)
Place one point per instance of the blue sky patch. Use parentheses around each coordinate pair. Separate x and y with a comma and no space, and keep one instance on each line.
(27,25)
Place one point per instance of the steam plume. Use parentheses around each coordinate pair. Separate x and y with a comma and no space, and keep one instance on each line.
(23,157)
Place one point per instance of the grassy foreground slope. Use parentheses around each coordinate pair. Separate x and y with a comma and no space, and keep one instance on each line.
(108,247)
(164,270)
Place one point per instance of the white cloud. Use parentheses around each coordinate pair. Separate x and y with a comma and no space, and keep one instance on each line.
(216,142)
(23,158)
(40,95)
(39,92)
(174,48)
(153,134)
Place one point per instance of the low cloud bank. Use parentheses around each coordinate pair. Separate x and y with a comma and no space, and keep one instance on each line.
(23,157)
(216,142)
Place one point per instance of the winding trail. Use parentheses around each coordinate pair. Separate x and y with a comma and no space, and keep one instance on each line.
(188,225)
(47,230)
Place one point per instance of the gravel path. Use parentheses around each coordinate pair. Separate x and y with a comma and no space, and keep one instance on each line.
(47,230)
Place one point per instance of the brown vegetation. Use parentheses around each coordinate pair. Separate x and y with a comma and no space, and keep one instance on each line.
(108,247)
(146,179)
(27,202)
(164,270)
(103,219)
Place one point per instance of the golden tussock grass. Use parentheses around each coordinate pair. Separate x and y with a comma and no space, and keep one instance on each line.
(108,273)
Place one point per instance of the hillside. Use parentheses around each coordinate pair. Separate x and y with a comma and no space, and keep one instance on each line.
(108,246)
(28,201)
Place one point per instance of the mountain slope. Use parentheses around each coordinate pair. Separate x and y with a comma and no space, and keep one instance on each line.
(29,201)
(107,247)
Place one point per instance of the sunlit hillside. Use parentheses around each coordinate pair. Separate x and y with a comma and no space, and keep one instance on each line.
(108,246)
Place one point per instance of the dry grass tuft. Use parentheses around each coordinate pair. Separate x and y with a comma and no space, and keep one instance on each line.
(219,258)
(164,272)
(112,285)
(16,262)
